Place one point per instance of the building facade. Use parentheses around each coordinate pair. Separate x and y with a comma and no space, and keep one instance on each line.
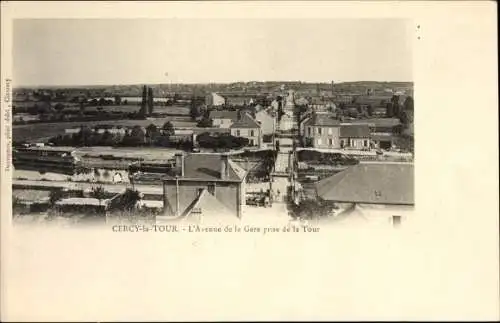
(197,175)
(267,122)
(376,193)
(223,119)
(355,136)
(247,127)
(322,131)
(215,100)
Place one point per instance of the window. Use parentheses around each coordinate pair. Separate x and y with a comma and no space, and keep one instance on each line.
(309,130)
(330,142)
(251,142)
(251,133)
(319,142)
(319,131)
(238,134)
(366,143)
(330,131)
(353,142)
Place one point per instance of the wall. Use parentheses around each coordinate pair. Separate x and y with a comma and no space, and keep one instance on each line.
(356,143)
(226,192)
(383,214)
(222,123)
(246,133)
(214,99)
(326,134)
(267,122)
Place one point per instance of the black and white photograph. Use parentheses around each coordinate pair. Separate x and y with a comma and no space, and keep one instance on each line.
(249,161)
(296,121)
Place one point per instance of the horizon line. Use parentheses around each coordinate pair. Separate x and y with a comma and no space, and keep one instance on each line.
(201,83)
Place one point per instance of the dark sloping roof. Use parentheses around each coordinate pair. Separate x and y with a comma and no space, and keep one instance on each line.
(209,205)
(373,100)
(233,115)
(246,121)
(380,183)
(355,131)
(378,122)
(207,167)
(326,120)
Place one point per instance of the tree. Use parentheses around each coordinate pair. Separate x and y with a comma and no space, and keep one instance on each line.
(408,104)
(83,137)
(118,100)
(204,123)
(395,105)
(150,101)
(137,136)
(152,133)
(102,101)
(168,128)
(194,110)
(107,139)
(142,112)
(312,208)
(129,199)
(59,107)
(369,110)
(55,196)
(389,110)
(82,108)
(98,193)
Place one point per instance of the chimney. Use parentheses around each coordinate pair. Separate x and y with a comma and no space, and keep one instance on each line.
(179,164)
(224,167)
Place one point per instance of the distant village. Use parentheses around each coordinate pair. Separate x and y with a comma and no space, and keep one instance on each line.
(299,152)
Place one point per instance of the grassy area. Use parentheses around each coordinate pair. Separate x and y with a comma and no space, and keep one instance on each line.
(41,131)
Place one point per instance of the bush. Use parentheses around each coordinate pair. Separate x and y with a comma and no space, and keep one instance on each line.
(311,208)
(224,141)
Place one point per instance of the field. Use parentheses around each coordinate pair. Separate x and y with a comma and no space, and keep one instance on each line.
(44,131)
(173,110)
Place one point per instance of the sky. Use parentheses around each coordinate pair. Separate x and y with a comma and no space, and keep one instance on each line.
(49,52)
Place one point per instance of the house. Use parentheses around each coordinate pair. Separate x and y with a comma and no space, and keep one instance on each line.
(322,130)
(214,99)
(266,121)
(223,119)
(354,136)
(200,177)
(247,127)
(383,131)
(238,101)
(371,192)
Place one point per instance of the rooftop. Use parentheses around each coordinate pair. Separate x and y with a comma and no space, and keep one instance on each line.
(355,131)
(208,166)
(246,121)
(377,183)
(233,115)
(321,119)
(378,122)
